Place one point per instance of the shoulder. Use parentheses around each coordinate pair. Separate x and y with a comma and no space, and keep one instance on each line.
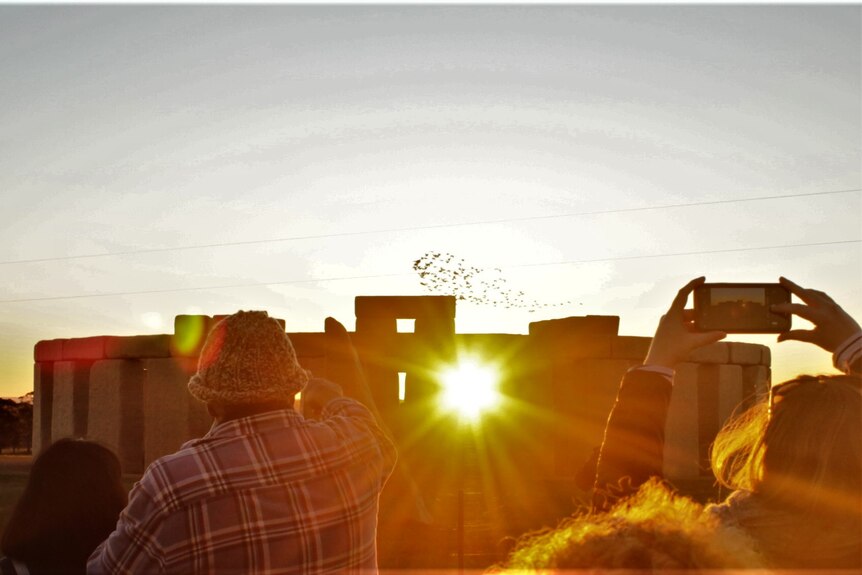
(157,491)
(738,505)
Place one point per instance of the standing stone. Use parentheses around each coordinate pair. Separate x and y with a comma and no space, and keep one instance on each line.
(584,392)
(43,401)
(755,384)
(171,414)
(682,450)
(708,410)
(116,410)
(70,399)
(730,392)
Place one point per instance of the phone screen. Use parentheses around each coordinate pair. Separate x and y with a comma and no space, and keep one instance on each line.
(740,308)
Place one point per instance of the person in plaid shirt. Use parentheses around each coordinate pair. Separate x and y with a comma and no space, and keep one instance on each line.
(266,490)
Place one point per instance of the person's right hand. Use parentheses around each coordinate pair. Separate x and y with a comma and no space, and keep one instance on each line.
(832,325)
(675,336)
(316,394)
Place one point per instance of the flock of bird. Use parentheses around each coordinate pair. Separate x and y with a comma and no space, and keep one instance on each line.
(446,274)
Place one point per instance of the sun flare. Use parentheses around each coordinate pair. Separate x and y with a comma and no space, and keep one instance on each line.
(470,388)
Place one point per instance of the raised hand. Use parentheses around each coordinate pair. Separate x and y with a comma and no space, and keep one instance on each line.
(832,325)
(675,336)
(316,394)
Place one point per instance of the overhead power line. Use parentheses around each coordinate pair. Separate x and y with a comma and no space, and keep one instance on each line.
(392,275)
(422,228)
(692,253)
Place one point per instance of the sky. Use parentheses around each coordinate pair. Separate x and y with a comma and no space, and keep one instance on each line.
(165,160)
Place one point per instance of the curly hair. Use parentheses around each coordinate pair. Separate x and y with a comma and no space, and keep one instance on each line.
(653,529)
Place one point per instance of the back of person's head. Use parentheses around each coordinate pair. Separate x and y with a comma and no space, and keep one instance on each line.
(803,449)
(247,360)
(70,504)
(654,529)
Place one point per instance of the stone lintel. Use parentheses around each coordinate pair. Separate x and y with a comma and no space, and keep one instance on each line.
(138,346)
(86,348)
(48,350)
(718,352)
(630,347)
(405,307)
(592,325)
(745,353)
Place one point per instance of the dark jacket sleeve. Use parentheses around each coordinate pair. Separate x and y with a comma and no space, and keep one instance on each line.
(855,367)
(633,446)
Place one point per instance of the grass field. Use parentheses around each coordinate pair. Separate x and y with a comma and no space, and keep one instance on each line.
(13,476)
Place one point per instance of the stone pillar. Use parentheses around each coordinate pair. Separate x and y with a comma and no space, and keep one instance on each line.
(45,353)
(171,414)
(682,445)
(584,391)
(572,360)
(43,401)
(374,340)
(756,380)
(70,399)
(731,393)
(116,410)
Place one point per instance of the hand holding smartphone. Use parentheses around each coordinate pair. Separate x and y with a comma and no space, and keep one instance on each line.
(740,307)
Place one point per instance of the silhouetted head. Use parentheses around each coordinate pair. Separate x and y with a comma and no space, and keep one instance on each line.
(654,529)
(71,503)
(803,449)
(247,365)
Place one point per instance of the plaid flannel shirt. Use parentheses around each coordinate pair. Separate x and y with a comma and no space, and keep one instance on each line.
(271,493)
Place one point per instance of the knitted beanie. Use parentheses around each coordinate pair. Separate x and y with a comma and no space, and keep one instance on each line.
(247,358)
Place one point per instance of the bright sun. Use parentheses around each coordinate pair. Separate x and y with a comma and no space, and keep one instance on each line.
(469,389)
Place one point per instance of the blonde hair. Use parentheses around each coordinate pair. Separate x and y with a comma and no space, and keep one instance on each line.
(804,449)
(653,529)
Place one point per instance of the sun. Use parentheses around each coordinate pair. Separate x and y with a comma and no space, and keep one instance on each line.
(469,389)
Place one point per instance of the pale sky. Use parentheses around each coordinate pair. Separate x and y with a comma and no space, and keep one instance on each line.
(129,128)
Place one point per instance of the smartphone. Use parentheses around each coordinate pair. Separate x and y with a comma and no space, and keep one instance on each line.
(740,308)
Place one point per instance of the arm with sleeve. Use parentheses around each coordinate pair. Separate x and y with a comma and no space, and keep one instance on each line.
(633,447)
(132,547)
(848,355)
(358,428)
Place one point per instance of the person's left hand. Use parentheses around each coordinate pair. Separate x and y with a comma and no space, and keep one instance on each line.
(675,338)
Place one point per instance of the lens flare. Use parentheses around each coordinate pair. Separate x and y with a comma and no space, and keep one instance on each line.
(189,333)
(470,388)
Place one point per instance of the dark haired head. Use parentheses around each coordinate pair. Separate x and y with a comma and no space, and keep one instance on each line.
(70,504)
